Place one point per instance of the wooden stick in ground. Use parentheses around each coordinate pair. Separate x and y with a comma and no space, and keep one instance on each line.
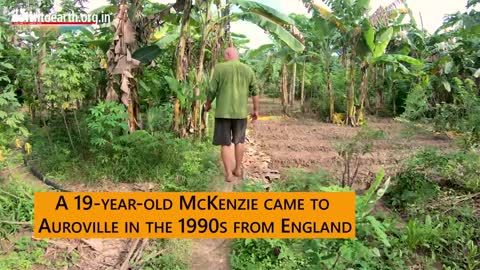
(460,200)
(138,253)
(126,263)
(15,222)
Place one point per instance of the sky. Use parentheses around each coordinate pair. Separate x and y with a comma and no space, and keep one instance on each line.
(433,12)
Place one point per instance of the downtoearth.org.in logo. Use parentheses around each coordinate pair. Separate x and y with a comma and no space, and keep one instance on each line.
(29,18)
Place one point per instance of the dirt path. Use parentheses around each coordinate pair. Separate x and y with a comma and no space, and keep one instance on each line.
(212,254)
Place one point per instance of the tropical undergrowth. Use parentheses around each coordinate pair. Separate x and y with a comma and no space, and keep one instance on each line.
(17,249)
(101,148)
(428,218)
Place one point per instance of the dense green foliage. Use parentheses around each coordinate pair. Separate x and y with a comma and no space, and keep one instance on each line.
(344,63)
(108,151)
(415,233)
(399,69)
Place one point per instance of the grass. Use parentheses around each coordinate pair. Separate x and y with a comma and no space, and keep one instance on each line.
(28,253)
(169,254)
(177,164)
(16,206)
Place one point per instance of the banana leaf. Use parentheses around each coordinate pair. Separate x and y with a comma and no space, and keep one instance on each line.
(395,58)
(273,28)
(149,53)
(261,50)
(382,42)
(264,10)
(369,36)
(329,17)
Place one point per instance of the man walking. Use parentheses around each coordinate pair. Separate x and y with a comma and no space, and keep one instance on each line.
(232,83)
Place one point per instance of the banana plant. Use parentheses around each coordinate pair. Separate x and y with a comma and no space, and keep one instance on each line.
(377,43)
(347,17)
(360,40)
(277,24)
(131,28)
(269,19)
(323,35)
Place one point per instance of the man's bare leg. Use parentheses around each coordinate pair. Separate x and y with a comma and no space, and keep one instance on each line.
(228,156)
(239,150)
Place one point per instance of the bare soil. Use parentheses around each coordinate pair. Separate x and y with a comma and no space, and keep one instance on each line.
(284,143)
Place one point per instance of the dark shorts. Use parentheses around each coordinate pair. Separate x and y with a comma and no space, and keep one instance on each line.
(228,131)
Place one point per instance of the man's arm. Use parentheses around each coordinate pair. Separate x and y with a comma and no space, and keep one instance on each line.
(253,92)
(255,113)
(212,93)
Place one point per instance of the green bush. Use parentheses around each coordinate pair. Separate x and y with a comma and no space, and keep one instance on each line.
(431,191)
(416,104)
(177,164)
(463,115)
(111,153)
(106,122)
(375,247)
(429,169)
(16,205)
(445,239)
(11,122)
(159,119)
(411,188)
(266,254)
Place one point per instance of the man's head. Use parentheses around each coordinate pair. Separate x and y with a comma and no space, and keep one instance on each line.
(231,54)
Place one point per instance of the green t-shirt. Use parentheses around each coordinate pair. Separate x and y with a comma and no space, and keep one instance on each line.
(232,83)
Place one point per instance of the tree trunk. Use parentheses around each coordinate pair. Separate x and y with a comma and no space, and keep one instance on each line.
(363,93)
(368,109)
(293,84)
(285,87)
(134,122)
(302,94)
(41,67)
(345,65)
(382,98)
(199,75)
(228,33)
(121,64)
(331,98)
(218,44)
(394,97)
(182,67)
(350,119)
